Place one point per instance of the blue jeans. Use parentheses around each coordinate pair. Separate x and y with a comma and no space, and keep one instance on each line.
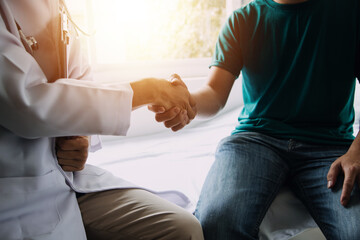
(249,170)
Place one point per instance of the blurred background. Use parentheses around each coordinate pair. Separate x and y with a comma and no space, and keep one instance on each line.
(152,36)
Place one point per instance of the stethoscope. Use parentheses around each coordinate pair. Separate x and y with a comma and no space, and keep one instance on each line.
(31,45)
(64,39)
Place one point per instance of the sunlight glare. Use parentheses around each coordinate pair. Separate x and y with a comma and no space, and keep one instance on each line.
(123,25)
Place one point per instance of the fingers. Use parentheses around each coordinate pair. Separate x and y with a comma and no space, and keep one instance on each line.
(351,170)
(168,115)
(181,125)
(191,112)
(71,164)
(173,118)
(191,105)
(349,181)
(76,155)
(72,160)
(185,106)
(174,77)
(176,80)
(72,143)
(179,121)
(70,169)
(72,152)
(333,173)
(177,127)
(156,109)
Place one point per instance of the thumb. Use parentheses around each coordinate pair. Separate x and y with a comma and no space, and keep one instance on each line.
(176,80)
(333,173)
(156,108)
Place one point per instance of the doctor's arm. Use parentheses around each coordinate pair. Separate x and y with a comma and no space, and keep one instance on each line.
(209,100)
(35,108)
(72,152)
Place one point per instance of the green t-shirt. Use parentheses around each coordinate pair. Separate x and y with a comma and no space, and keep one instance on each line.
(298,63)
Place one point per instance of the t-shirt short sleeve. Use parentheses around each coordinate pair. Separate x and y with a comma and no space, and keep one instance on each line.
(357,62)
(228,54)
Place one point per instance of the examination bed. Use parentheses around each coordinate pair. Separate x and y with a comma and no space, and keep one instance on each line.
(156,158)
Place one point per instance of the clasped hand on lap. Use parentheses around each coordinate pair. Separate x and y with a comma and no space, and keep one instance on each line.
(72,152)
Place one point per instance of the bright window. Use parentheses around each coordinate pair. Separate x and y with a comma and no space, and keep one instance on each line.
(142,30)
(157,36)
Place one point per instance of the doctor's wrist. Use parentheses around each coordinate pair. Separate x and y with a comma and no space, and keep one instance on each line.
(148,91)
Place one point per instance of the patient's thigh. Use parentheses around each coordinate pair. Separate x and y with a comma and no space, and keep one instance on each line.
(240,186)
(310,185)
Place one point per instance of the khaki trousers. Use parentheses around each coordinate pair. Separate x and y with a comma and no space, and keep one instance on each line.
(131,214)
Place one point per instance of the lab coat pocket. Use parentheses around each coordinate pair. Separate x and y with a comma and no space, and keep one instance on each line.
(28,206)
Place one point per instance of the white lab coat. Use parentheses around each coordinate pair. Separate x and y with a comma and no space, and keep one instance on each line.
(37,198)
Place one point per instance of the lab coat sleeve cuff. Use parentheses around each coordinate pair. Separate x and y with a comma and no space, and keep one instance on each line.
(124,113)
(95,143)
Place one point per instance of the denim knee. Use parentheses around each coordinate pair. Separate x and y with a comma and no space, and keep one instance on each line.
(222,221)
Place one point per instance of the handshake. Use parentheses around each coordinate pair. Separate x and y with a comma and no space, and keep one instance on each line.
(177,109)
(170,100)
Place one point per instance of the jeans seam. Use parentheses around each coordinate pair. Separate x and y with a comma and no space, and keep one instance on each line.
(312,212)
(265,142)
(267,204)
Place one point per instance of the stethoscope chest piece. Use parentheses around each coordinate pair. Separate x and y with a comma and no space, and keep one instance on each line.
(30,43)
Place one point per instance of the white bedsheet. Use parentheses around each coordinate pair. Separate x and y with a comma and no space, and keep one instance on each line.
(166,160)
(180,161)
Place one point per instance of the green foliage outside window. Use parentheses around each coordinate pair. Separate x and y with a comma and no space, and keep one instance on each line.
(186,29)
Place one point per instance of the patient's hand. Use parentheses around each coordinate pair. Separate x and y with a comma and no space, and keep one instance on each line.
(349,165)
(175,118)
(72,152)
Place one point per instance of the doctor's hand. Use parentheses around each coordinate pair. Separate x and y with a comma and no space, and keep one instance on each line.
(175,118)
(349,165)
(72,152)
(162,93)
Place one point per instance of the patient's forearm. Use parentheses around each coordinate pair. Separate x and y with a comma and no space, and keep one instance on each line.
(208,103)
(355,146)
(213,96)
